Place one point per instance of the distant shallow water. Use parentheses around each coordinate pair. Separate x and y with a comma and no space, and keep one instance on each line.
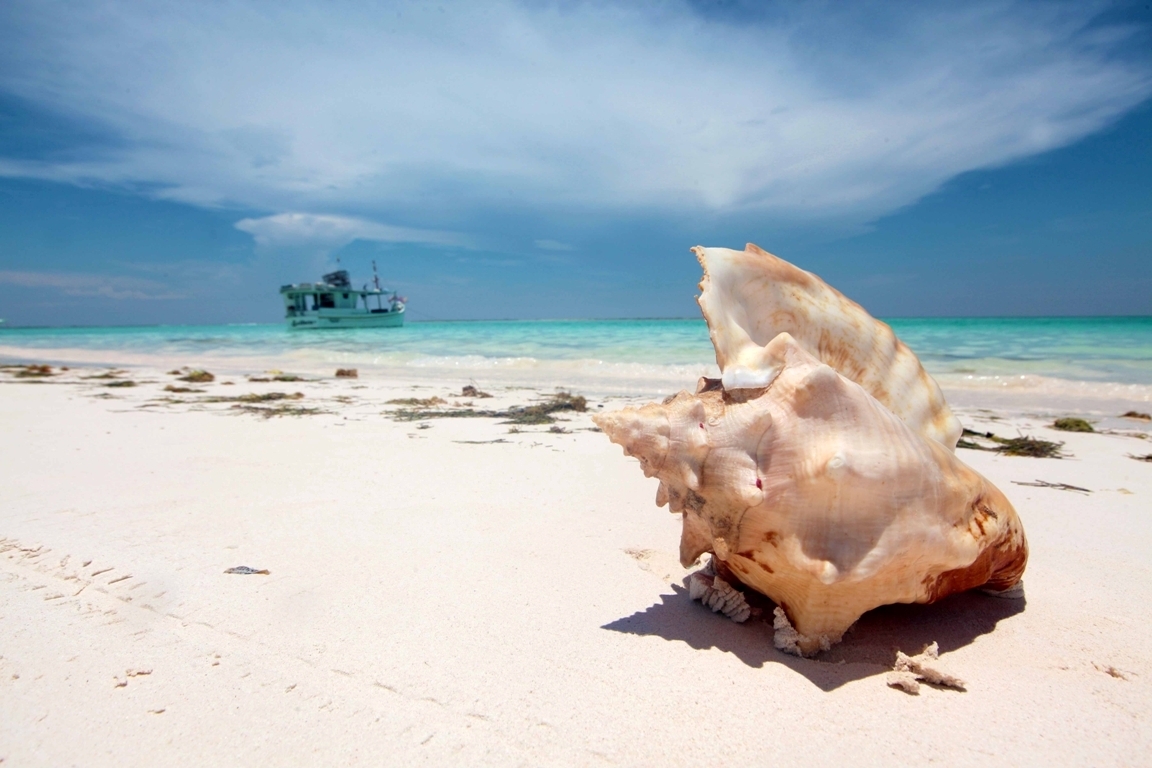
(1100,357)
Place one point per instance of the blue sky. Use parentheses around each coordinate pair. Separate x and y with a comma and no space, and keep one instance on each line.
(176,163)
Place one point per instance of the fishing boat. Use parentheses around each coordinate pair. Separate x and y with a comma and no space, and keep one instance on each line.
(334,303)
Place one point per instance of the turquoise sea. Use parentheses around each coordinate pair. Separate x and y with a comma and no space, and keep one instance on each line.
(618,354)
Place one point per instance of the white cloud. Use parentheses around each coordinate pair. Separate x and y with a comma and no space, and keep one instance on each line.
(461,109)
(104,286)
(331,232)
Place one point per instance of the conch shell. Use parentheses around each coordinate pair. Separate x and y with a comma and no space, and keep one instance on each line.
(808,489)
(750,296)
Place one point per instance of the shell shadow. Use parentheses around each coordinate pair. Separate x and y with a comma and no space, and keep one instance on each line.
(868,649)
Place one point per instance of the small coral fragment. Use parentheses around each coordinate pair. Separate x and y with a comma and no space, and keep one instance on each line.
(717,594)
(787,639)
(906,681)
(908,671)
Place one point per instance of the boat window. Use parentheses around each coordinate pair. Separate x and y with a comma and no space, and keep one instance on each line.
(327,301)
(345,295)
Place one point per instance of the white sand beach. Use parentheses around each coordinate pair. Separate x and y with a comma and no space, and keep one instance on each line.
(312,313)
(449,592)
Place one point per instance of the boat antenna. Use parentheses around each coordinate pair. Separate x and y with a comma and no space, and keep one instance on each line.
(375,277)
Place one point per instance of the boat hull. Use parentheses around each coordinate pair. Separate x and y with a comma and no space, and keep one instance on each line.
(323,321)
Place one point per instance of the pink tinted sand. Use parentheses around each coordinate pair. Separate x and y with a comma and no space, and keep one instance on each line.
(438,598)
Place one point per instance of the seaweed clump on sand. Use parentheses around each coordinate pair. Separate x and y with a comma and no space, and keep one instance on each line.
(181,390)
(1033,447)
(115,373)
(250,404)
(198,377)
(1024,445)
(121,383)
(277,410)
(538,413)
(1072,424)
(267,397)
(1136,415)
(1146,457)
(972,445)
(255,397)
(541,413)
(33,371)
(417,402)
(471,391)
(264,404)
(347,373)
(277,376)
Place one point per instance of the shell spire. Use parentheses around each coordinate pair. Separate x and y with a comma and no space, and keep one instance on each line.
(750,296)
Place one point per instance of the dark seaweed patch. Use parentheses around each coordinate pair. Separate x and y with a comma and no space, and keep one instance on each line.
(1071,424)
(521,415)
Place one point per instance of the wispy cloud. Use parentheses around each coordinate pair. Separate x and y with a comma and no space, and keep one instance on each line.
(332,232)
(406,111)
(103,286)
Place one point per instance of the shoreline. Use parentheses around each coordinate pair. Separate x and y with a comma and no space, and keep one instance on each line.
(1018,393)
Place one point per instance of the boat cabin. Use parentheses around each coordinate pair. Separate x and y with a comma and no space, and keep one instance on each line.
(333,301)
